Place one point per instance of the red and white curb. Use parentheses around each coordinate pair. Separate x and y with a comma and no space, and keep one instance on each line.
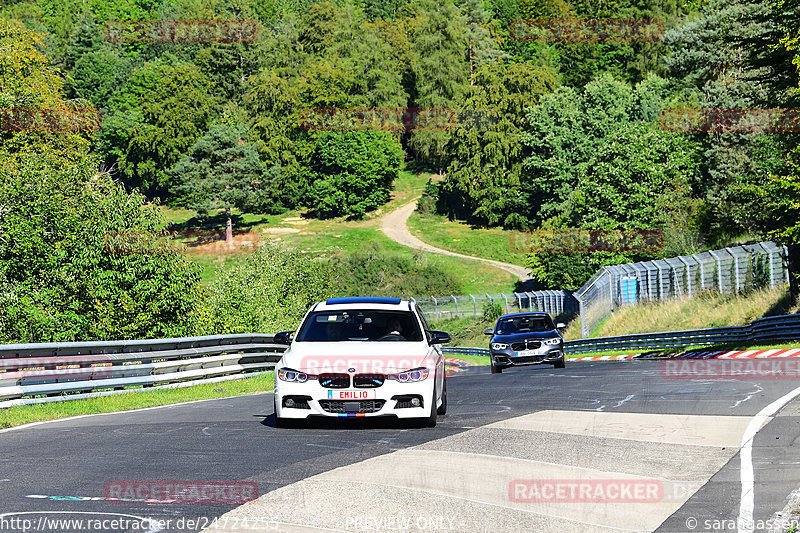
(453,365)
(707,354)
(604,357)
(747,354)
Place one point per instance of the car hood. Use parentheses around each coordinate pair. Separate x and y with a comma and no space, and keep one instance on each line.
(369,358)
(519,337)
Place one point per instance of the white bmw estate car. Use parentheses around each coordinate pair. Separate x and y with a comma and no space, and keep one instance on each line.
(361,357)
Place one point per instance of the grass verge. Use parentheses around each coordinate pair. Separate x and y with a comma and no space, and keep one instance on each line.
(707,310)
(25,414)
(476,360)
(488,243)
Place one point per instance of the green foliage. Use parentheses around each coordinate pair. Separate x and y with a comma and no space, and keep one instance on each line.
(372,271)
(175,112)
(58,279)
(269,290)
(223,170)
(492,311)
(353,172)
(427,203)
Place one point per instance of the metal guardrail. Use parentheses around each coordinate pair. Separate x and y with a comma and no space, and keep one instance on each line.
(772,329)
(41,373)
(47,372)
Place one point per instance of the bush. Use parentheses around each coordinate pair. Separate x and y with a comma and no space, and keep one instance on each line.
(427,203)
(59,279)
(268,291)
(353,172)
(374,271)
(492,311)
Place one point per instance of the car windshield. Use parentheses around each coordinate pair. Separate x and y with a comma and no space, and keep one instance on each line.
(524,324)
(360,325)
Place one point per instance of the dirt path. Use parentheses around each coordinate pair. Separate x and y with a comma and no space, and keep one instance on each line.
(395,227)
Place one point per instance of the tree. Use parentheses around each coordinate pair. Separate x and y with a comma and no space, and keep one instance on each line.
(485,149)
(151,120)
(81,259)
(223,170)
(353,172)
(441,73)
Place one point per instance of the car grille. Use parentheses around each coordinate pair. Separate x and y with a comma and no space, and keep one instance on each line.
(530,359)
(368,381)
(334,381)
(364,406)
(527,345)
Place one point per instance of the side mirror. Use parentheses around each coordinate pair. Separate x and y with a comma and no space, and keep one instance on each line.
(488,331)
(560,325)
(439,337)
(282,337)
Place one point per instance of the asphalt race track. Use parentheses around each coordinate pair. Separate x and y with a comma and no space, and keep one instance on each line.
(507,457)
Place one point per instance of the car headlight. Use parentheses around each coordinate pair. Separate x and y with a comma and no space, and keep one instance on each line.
(499,346)
(287,374)
(553,342)
(410,376)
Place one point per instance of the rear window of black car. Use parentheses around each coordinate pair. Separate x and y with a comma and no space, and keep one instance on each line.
(523,324)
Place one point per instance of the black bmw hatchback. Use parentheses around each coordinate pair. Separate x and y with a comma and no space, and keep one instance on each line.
(521,339)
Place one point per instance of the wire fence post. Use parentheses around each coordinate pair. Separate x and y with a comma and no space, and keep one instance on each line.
(474,305)
(719,269)
(688,275)
(735,269)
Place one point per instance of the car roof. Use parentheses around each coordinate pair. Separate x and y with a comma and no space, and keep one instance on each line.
(528,313)
(362,302)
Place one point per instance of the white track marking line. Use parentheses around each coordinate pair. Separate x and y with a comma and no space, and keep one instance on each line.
(747,502)
(67,419)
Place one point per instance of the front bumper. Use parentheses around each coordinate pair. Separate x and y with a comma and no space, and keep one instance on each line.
(390,399)
(545,355)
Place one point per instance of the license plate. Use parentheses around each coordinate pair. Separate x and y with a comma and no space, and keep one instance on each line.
(526,353)
(365,394)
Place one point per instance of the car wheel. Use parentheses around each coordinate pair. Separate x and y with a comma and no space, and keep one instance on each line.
(496,370)
(559,363)
(442,410)
(431,420)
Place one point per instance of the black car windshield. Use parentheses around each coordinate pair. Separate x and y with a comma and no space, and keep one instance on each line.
(523,324)
(360,325)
